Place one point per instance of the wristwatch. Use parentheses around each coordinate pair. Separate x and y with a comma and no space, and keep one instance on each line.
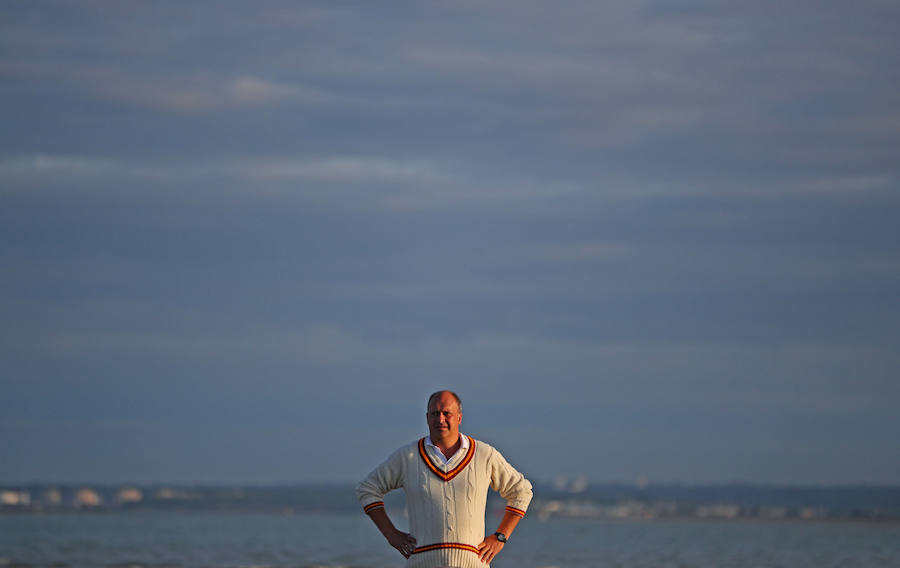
(500,536)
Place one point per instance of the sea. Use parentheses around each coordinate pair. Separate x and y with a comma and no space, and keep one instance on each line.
(167,539)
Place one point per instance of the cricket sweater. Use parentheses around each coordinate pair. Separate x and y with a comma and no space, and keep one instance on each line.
(446,502)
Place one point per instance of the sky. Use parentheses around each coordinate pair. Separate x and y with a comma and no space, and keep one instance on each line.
(243,242)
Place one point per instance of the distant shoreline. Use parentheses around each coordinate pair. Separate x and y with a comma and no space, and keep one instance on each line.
(590,501)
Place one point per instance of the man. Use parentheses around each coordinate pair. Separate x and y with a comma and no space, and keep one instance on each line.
(446,476)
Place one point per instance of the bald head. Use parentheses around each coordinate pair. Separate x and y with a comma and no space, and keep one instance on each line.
(436,395)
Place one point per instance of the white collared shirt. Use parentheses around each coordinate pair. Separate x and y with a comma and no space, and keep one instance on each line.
(464,447)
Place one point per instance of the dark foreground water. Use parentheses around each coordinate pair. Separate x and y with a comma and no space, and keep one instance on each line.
(194,540)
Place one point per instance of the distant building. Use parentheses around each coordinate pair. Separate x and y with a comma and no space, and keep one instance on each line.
(129,495)
(52,497)
(170,494)
(808,513)
(718,511)
(560,483)
(87,498)
(631,510)
(642,482)
(580,485)
(773,513)
(15,498)
(548,508)
(166,493)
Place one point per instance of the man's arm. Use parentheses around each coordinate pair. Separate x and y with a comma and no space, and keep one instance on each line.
(516,490)
(404,542)
(371,490)
(490,546)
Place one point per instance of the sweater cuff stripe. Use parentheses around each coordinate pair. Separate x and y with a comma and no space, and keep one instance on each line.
(372,506)
(517,512)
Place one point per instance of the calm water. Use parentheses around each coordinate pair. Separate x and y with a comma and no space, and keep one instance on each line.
(194,540)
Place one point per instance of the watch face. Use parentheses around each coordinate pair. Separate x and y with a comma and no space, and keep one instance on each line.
(500,536)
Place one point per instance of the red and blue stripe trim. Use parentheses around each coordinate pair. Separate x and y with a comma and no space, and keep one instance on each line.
(373,506)
(517,512)
(440,545)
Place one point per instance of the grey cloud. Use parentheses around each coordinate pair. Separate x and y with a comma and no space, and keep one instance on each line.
(385,182)
(196,91)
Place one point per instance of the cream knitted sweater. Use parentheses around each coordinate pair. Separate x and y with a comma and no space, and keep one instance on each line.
(446,503)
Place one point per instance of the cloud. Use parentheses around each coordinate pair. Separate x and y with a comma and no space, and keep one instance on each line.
(873,183)
(590,251)
(332,169)
(196,91)
(342,169)
(437,182)
(387,183)
(87,174)
(40,164)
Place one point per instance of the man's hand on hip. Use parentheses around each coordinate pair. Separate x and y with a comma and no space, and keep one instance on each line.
(489,548)
(404,542)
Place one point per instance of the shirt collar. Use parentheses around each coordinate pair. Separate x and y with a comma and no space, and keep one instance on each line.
(463,447)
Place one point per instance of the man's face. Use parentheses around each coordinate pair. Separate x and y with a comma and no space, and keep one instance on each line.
(444,418)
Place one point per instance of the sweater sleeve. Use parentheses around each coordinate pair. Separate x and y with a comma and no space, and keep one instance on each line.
(510,484)
(384,478)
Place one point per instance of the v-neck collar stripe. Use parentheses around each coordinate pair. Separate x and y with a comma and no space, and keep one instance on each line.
(447,476)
